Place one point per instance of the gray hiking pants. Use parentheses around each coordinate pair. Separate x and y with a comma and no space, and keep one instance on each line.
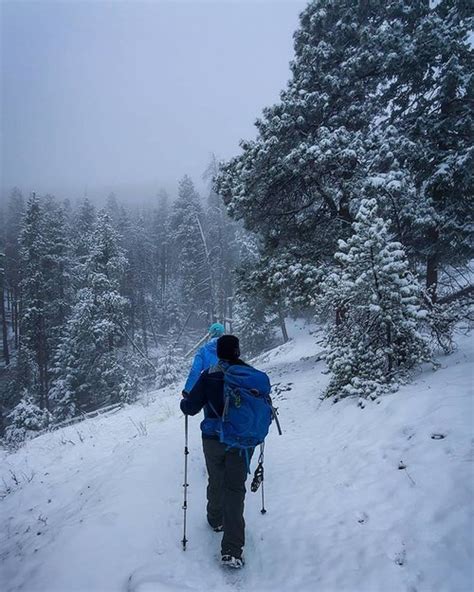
(227,472)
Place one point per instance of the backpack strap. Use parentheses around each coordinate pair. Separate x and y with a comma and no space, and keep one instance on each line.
(213,409)
(214,369)
(219,367)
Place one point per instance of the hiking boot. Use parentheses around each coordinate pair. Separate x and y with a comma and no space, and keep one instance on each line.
(230,561)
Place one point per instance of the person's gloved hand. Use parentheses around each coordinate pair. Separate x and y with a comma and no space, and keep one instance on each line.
(184,394)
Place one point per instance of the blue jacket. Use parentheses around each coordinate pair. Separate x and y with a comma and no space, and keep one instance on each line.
(205,358)
(208,389)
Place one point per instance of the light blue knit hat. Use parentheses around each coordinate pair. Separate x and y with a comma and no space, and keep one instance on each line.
(216,330)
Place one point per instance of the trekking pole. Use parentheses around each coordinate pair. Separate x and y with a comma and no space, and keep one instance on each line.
(185,484)
(258,478)
(263,510)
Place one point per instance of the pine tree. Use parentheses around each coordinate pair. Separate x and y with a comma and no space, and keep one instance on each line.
(3,292)
(169,369)
(172,313)
(223,249)
(430,95)
(378,334)
(89,372)
(57,266)
(255,310)
(13,219)
(161,241)
(299,182)
(190,262)
(45,287)
(138,282)
(33,326)
(83,223)
(113,209)
(25,420)
(253,324)
(380,95)
(160,268)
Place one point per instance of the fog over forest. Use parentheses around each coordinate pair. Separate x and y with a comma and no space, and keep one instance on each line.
(130,96)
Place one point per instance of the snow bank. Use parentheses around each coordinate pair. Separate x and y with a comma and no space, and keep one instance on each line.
(358,500)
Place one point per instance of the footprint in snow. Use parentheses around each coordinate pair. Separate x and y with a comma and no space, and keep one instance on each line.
(400,557)
(408,432)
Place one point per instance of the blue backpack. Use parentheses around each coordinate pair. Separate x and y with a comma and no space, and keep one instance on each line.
(248,409)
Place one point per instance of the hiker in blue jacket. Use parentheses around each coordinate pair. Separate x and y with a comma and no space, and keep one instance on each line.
(226,467)
(205,357)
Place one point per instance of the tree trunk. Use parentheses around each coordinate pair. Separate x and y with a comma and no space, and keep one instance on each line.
(344,213)
(229,318)
(152,325)
(164,255)
(388,333)
(6,353)
(281,319)
(432,277)
(43,364)
(143,315)
(16,313)
(340,315)
(132,318)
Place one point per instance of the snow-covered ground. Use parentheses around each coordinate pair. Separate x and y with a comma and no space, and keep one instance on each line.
(97,507)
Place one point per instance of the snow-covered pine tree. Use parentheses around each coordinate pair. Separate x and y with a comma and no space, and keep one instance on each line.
(143,266)
(253,323)
(113,209)
(428,95)
(88,369)
(296,184)
(45,290)
(137,283)
(34,325)
(5,328)
(57,269)
(81,229)
(25,420)
(220,233)
(190,262)
(161,240)
(13,220)
(254,311)
(172,312)
(378,334)
(377,88)
(169,370)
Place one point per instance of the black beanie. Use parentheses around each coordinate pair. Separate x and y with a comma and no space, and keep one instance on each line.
(228,348)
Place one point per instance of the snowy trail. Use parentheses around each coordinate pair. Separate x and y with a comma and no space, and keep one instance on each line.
(98,506)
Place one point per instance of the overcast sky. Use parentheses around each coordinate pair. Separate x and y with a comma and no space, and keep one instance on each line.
(129,96)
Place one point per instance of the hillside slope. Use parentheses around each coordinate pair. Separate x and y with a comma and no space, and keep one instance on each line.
(97,507)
